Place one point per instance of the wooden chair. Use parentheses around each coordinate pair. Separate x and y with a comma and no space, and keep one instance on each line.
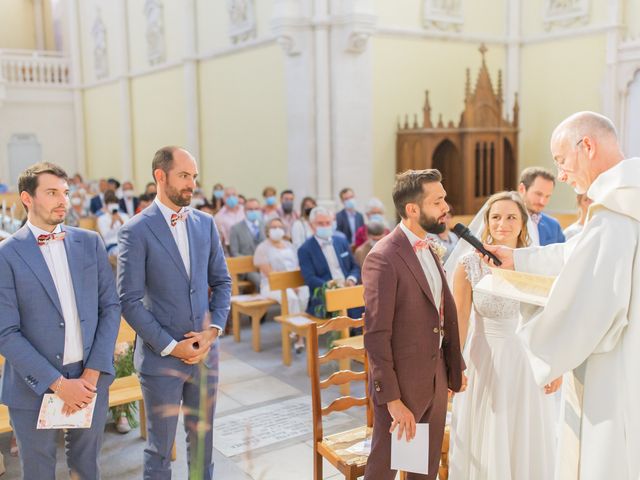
(299,322)
(333,447)
(340,300)
(254,306)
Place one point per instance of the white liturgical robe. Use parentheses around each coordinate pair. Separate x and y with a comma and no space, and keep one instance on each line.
(591,326)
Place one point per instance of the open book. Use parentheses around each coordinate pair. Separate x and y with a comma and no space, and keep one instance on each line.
(523,287)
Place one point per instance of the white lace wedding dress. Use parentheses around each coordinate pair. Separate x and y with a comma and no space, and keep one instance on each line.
(503,425)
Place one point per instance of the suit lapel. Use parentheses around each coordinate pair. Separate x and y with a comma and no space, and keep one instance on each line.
(27,248)
(193,233)
(411,261)
(160,229)
(73,246)
(319,255)
(341,261)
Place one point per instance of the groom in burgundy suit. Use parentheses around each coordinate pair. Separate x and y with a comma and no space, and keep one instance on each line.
(411,327)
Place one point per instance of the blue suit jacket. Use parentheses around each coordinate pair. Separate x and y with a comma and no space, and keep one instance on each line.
(158,299)
(549,230)
(95,205)
(315,269)
(31,320)
(342,221)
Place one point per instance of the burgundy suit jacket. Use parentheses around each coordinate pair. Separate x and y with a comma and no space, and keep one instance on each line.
(402,326)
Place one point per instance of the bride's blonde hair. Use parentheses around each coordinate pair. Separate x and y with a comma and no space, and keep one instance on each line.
(523,237)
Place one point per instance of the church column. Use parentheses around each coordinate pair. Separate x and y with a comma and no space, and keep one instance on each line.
(38,18)
(75,56)
(121,37)
(353,23)
(611,103)
(190,66)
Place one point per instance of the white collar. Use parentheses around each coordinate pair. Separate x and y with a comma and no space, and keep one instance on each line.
(167,212)
(413,238)
(37,231)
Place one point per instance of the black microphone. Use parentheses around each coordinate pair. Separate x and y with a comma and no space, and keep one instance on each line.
(464,233)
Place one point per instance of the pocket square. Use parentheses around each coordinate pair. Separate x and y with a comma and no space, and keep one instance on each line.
(344,254)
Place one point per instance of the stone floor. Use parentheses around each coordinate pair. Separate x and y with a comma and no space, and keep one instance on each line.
(252,385)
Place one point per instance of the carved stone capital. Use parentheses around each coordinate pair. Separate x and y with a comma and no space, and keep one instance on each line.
(443,14)
(564,13)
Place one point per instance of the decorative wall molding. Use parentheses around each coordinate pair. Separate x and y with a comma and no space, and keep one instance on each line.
(570,34)
(100,47)
(156,43)
(418,33)
(564,13)
(443,14)
(242,20)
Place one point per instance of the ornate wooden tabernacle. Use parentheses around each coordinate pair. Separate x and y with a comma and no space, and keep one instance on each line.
(478,157)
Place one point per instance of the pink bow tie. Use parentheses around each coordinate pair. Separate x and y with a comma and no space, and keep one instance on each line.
(176,217)
(421,245)
(44,239)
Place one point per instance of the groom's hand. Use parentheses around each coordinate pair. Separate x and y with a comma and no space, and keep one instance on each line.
(403,419)
(504,254)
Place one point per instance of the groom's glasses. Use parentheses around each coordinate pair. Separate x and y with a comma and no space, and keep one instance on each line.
(560,165)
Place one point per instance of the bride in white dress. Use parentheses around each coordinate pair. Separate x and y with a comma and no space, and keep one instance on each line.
(503,425)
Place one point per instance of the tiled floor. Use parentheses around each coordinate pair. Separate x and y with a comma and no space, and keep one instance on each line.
(248,380)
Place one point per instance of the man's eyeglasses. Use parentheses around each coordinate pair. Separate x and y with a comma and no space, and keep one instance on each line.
(559,165)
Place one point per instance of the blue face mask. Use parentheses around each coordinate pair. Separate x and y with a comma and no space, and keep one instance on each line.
(376,217)
(254,215)
(350,204)
(271,201)
(218,194)
(231,202)
(324,232)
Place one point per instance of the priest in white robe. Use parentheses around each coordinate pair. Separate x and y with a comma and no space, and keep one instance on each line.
(591,323)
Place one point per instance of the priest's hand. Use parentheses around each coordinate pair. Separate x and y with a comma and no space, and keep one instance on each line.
(403,419)
(553,387)
(504,254)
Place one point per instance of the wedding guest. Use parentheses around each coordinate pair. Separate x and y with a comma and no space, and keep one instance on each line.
(270,208)
(376,231)
(217,198)
(583,206)
(349,220)
(374,213)
(301,229)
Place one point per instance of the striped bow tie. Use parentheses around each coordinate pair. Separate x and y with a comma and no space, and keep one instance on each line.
(44,239)
(421,245)
(178,217)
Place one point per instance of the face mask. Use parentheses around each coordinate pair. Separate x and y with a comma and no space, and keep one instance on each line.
(350,204)
(276,234)
(82,191)
(307,211)
(324,232)
(270,201)
(197,202)
(232,201)
(113,207)
(287,207)
(373,243)
(218,194)
(128,194)
(75,201)
(254,216)
(376,217)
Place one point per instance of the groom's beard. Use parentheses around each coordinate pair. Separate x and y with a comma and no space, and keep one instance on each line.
(431,224)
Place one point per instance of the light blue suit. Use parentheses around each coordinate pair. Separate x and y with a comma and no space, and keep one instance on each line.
(162,303)
(32,338)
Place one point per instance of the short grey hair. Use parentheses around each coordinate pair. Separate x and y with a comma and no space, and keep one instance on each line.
(374,203)
(319,211)
(583,124)
(375,228)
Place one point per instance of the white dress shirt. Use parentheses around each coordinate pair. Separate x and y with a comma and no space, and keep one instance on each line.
(55,256)
(329,252)
(429,268)
(534,235)
(179,233)
(351,216)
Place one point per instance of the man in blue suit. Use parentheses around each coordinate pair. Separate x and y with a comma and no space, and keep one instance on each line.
(326,257)
(536,187)
(97,203)
(170,256)
(58,326)
(349,220)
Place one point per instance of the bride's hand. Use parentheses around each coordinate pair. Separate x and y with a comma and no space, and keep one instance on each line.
(553,387)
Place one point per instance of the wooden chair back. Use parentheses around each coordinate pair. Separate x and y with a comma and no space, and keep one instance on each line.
(338,378)
(238,266)
(282,281)
(1,361)
(342,299)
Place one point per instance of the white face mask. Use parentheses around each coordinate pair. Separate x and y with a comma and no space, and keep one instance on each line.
(128,194)
(276,234)
(112,206)
(75,201)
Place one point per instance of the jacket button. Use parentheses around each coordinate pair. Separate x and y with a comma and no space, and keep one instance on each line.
(436,330)
(378,388)
(58,356)
(61,324)
(192,291)
(433,357)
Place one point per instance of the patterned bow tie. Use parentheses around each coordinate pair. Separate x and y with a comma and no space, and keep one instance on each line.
(175,217)
(536,218)
(44,239)
(421,245)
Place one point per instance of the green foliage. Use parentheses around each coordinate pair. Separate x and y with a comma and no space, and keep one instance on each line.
(124,367)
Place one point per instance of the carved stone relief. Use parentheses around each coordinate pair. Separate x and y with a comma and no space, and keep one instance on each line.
(156,45)
(242,20)
(563,13)
(443,14)
(100,47)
